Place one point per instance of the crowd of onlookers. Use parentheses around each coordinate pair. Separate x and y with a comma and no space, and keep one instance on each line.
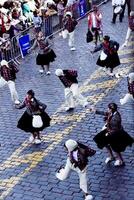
(18,15)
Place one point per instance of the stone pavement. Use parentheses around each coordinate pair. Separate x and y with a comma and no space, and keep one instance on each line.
(27,172)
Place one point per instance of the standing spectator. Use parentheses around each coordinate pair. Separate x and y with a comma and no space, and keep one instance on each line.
(113,136)
(48,21)
(117,9)
(8,76)
(71,91)
(77,161)
(60,9)
(37,21)
(2,24)
(130,95)
(109,56)
(95,24)
(27,12)
(46,54)
(130,28)
(69,24)
(27,123)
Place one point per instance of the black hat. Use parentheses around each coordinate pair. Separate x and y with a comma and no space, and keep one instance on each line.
(31,92)
(112,106)
(106,37)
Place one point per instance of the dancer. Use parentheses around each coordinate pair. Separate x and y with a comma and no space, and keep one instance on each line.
(113,136)
(45,55)
(69,24)
(130,28)
(118,6)
(109,56)
(77,161)
(72,93)
(8,76)
(34,119)
(130,95)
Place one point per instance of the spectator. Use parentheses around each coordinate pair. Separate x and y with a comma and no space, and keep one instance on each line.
(130,95)
(2,24)
(60,9)
(37,21)
(71,91)
(27,12)
(8,76)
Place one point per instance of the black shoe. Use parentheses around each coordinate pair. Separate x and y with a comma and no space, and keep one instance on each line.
(70,109)
(112,22)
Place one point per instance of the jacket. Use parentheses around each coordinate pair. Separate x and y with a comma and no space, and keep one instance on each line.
(113,121)
(9,73)
(83,152)
(69,77)
(33,106)
(108,50)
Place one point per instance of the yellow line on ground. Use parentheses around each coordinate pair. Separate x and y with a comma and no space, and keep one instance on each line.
(127,60)
(125,51)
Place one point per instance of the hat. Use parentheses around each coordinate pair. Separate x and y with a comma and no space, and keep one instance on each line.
(106,37)
(68,13)
(4,63)
(59,72)
(71,144)
(132,13)
(131,76)
(112,106)
(31,92)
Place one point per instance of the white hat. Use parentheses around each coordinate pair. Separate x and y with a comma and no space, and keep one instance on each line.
(68,13)
(59,72)
(4,62)
(131,76)
(71,144)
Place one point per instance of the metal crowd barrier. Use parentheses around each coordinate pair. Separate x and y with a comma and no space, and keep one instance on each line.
(50,27)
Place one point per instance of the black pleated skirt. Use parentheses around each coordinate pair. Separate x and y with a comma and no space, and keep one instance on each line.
(117,140)
(111,61)
(25,122)
(45,59)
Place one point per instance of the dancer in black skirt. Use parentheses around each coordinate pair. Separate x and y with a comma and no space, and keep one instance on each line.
(46,54)
(113,136)
(34,107)
(109,56)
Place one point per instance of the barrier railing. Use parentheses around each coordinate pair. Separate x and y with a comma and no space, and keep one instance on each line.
(51,26)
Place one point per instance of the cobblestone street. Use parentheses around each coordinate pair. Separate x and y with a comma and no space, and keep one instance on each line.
(27,172)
